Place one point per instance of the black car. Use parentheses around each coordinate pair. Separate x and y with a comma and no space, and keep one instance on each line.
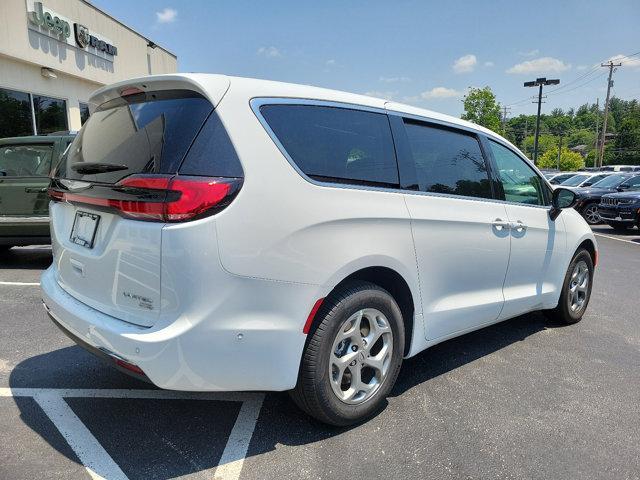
(621,210)
(588,198)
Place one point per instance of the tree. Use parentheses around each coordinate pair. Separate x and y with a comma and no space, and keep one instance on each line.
(569,161)
(480,107)
(545,142)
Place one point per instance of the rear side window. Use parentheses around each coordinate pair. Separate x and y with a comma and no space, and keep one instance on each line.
(212,153)
(336,144)
(142,133)
(447,161)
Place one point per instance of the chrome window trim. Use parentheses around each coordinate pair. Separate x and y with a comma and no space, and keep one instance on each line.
(257,102)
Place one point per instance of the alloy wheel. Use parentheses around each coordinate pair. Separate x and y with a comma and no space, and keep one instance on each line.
(579,286)
(361,356)
(591,214)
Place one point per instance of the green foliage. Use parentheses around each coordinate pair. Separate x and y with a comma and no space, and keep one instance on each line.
(578,127)
(569,161)
(480,107)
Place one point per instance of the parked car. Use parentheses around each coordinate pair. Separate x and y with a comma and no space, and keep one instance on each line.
(621,210)
(25,164)
(620,168)
(585,179)
(561,177)
(589,198)
(221,233)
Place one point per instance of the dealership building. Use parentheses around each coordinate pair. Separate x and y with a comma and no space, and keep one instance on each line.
(54,53)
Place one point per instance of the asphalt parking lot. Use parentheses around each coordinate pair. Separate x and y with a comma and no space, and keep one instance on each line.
(523,399)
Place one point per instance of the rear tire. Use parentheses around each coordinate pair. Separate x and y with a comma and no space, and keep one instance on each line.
(350,363)
(576,290)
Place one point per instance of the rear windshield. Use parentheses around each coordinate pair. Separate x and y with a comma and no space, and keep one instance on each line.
(143,133)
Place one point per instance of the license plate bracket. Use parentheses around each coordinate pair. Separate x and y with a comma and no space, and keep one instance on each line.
(85,226)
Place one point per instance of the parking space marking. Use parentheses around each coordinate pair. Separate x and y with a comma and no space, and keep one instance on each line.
(615,238)
(21,284)
(99,463)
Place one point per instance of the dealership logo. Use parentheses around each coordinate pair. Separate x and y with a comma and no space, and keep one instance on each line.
(52,22)
(85,39)
(82,35)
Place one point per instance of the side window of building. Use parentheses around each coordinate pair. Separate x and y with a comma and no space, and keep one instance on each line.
(521,184)
(447,161)
(25,160)
(336,144)
(84,113)
(15,114)
(51,114)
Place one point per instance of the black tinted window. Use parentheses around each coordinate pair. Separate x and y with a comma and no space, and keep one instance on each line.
(51,114)
(142,133)
(212,153)
(336,144)
(447,161)
(15,114)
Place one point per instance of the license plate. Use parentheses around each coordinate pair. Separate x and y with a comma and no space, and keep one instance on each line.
(84,228)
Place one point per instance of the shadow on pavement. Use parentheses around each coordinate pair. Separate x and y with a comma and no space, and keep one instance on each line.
(31,258)
(167,438)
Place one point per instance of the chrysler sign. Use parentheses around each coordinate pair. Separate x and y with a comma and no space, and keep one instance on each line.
(59,27)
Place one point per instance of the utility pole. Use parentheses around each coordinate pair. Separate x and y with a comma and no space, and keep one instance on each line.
(526,134)
(611,67)
(539,82)
(597,152)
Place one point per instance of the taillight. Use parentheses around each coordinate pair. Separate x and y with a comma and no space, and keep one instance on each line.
(159,198)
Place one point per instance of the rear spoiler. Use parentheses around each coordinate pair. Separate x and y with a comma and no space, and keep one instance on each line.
(212,87)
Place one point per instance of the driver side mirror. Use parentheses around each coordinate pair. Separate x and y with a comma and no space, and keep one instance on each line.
(560,199)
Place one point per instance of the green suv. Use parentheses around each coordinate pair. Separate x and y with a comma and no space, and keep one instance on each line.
(25,164)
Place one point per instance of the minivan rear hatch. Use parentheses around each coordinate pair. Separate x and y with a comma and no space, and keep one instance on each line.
(111,187)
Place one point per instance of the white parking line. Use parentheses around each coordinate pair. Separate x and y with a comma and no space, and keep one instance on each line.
(616,238)
(99,463)
(21,284)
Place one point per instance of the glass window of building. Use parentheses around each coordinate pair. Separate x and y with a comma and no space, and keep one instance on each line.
(51,114)
(15,114)
(84,113)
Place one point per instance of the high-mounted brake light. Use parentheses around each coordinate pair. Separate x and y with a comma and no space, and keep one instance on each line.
(161,198)
(130,91)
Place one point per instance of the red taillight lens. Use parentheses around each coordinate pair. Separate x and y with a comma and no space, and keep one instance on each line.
(163,198)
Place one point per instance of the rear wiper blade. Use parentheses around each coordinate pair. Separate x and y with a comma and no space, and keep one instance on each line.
(89,168)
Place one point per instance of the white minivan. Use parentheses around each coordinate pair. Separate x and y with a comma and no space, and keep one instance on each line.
(219,233)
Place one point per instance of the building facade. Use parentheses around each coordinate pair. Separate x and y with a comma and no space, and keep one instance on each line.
(54,53)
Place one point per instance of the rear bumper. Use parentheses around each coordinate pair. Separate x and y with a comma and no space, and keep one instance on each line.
(258,348)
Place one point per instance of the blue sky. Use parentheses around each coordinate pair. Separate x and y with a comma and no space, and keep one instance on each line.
(424,53)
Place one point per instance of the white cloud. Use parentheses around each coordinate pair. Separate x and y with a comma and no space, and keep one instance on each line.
(330,63)
(440,92)
(168,15)
(632,62)
(530,53)
(394,79)
(465,64)
(489,64)
(388,95)
(540,65)
(269,52)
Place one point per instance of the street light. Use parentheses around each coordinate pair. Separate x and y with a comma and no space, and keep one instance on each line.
(539,82)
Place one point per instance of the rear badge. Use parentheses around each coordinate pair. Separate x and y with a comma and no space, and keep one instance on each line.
(143,302)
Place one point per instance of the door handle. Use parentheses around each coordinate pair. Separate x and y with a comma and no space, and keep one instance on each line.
(500,224)
(519,226)
(35,190)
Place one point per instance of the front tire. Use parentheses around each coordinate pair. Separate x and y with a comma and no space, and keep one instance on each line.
(590,214)
(576,290)
(352,357)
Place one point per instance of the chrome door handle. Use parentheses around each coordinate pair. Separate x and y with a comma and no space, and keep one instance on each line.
(519,226)
(500,224)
